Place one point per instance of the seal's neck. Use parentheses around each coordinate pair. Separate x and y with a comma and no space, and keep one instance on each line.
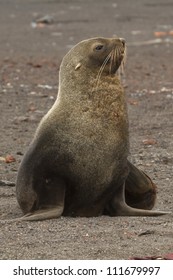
(102,99)
(85,86)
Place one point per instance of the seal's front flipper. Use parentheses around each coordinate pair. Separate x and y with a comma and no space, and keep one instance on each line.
(140,191)
(43,214)
(118,207)
(49,201)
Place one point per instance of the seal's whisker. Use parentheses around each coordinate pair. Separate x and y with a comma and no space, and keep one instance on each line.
(104,63)
(117,55)
(123,62)
(110,65)
(111,61)
(125,57)
(120,71)
(101,70)
(114,55)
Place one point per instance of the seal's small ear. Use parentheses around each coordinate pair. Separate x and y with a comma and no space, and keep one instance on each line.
(78,66)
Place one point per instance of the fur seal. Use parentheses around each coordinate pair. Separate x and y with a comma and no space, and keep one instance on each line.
(77,162)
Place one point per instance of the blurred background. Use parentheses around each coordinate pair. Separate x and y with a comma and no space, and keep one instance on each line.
(53,26)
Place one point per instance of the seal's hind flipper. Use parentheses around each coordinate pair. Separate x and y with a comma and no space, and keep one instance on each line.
(118,207)
(140,191)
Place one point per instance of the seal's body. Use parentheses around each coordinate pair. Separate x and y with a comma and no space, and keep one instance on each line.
(77,162)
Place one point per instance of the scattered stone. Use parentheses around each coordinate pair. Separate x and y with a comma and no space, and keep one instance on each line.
(8,159)
(4,183)
(17,120)
(146,232)
(45,86)
(45,19)
(41,22)
(149,142)
(136,32)
(19,153)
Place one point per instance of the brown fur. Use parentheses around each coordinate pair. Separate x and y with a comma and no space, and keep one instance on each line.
(77,162)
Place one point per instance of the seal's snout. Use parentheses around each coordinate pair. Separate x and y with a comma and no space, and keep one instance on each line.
(123,41)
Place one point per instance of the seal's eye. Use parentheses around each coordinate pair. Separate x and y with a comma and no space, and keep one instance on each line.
(99,47)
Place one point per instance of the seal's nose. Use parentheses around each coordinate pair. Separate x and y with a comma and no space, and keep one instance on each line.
(123,41)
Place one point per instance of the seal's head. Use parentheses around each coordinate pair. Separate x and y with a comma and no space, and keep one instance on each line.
(104,54)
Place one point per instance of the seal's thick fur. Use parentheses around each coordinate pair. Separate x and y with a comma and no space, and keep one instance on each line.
(77,162)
